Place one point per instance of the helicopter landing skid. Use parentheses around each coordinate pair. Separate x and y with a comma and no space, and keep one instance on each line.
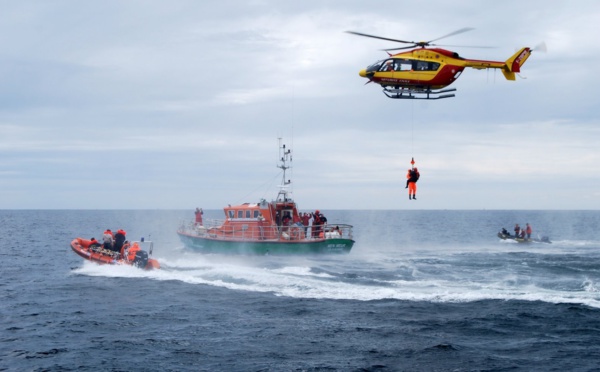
(405,93)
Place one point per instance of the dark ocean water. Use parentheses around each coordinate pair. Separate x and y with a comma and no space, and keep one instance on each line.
(421,291)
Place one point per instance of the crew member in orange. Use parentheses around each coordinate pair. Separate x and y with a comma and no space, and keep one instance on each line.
(305,222)
(135,248)
(528,230)
(124,249)
(317,225)
(199,214)
(412,178)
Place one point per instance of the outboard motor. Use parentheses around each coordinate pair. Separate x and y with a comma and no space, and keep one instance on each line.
(141,259)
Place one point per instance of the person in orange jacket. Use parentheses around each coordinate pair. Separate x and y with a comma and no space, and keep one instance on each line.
(94,243)
(528,230)
(124,249)
(135,248)
(199,212)
(411,183)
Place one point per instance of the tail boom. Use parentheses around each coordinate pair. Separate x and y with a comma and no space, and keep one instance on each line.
(509,67)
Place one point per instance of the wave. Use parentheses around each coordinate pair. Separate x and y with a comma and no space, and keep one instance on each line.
(465,278)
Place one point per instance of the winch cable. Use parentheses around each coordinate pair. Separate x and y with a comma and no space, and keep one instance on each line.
(412,133)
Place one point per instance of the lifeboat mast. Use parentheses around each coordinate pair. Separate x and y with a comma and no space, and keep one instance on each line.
(285,159)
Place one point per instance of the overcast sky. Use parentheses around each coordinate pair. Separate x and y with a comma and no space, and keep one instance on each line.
(179,104)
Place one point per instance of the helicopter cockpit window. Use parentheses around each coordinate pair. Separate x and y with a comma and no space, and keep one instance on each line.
(387,65)
(375,66)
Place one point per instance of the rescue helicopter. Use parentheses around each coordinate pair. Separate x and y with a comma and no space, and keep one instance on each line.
(425,72)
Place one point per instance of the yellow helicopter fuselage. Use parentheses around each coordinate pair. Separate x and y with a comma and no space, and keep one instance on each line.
(434,68)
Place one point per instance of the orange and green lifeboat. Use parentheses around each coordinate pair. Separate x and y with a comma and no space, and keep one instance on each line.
(259,228)
(267,227)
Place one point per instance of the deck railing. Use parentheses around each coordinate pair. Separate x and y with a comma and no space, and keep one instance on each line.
(248,230)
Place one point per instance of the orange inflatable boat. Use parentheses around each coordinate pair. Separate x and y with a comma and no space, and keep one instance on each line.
(131,254)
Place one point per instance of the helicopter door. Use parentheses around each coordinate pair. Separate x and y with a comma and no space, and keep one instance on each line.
(386,71)
(402,68)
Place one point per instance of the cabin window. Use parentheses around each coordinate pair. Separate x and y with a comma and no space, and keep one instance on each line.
(231,214)
(426,66)
(403,65)
(256,213)
(240,214)
(422,66)
(248,213)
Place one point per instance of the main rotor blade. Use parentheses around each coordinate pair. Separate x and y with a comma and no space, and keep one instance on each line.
(401,48)
(379,37)
(453,33)
(465,46)
(442,45)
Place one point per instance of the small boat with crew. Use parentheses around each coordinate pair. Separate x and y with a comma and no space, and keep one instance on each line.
(266,228)
(505,235)
(136,253)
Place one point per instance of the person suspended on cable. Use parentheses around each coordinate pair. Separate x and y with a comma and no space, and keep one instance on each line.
(411,182)
(414,176)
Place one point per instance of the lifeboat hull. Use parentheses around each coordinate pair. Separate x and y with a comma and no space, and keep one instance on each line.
(206,244)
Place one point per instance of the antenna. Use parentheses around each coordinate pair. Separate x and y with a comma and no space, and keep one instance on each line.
(285,163)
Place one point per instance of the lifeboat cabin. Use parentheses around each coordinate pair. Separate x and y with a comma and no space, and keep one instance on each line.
(278,220)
